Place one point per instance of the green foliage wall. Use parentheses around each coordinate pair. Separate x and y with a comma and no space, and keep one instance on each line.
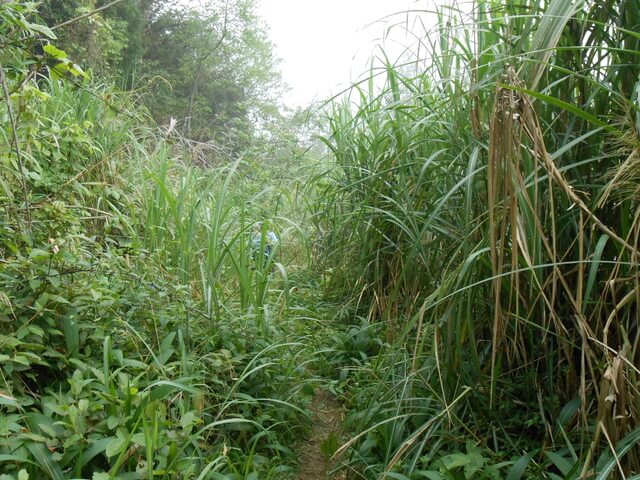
(109,41)
(481,211)
(115,361)
(210,67)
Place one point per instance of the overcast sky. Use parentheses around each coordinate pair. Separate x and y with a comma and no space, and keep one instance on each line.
(325,44)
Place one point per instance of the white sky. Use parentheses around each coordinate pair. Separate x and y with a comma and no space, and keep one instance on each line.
(326,44)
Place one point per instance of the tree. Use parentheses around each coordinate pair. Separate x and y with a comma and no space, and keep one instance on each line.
(108,41)
(220,72)
(210,66)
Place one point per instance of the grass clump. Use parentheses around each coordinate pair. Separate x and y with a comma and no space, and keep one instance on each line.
(469,214)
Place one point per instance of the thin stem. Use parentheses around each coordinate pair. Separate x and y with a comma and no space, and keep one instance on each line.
(16,145)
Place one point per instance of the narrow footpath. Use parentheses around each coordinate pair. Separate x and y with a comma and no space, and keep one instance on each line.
(315,452)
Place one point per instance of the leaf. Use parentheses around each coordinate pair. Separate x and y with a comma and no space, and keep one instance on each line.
(593,271)
(429,474)
(546,38)
(556,102)
(129,362)
(187,420)
(517,470)
(6,399)
(71,336)
(113,422)
(397,476)
(95,449)
(560,462)
(43,457)
(455,460)
(476,462)
(77,71)
(54,51)
(607,462)
(139,439)
(567,413)
(9,342)
(48,430)
(36,421)
(34,437)
(165,348)
(218,476)
(330,445)
(114,446)
(72,440)
(44,30)
(15,458)
(36,330)
(162,388)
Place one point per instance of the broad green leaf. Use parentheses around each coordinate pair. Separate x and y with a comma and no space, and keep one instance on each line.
(54,51)
(561,463)
(43,458)
(114,447)
(218,476)
(77,71)
(568,412)
(95,449)
(187,420)
(139,438)
(517,470)
(43,29)
(6,399)
(397,476)
(429,474)
(455,460)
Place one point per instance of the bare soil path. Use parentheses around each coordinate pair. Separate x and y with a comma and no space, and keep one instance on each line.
(327,416)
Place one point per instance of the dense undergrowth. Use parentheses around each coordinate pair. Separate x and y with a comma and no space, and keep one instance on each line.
(483,214)
(138,339)
(461,271)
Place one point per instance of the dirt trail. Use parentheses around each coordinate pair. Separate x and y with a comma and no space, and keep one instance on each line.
(327,415)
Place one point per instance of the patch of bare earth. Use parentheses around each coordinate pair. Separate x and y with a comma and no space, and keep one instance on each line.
(327,416)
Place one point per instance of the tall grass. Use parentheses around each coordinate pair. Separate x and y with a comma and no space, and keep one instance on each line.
(200,222)
(137,337)
(473,207)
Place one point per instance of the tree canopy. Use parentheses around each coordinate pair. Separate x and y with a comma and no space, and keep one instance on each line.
(209,65)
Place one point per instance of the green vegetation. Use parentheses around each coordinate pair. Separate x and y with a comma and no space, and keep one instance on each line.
(460,267)
(126,349)
(496,246)
(209,66)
